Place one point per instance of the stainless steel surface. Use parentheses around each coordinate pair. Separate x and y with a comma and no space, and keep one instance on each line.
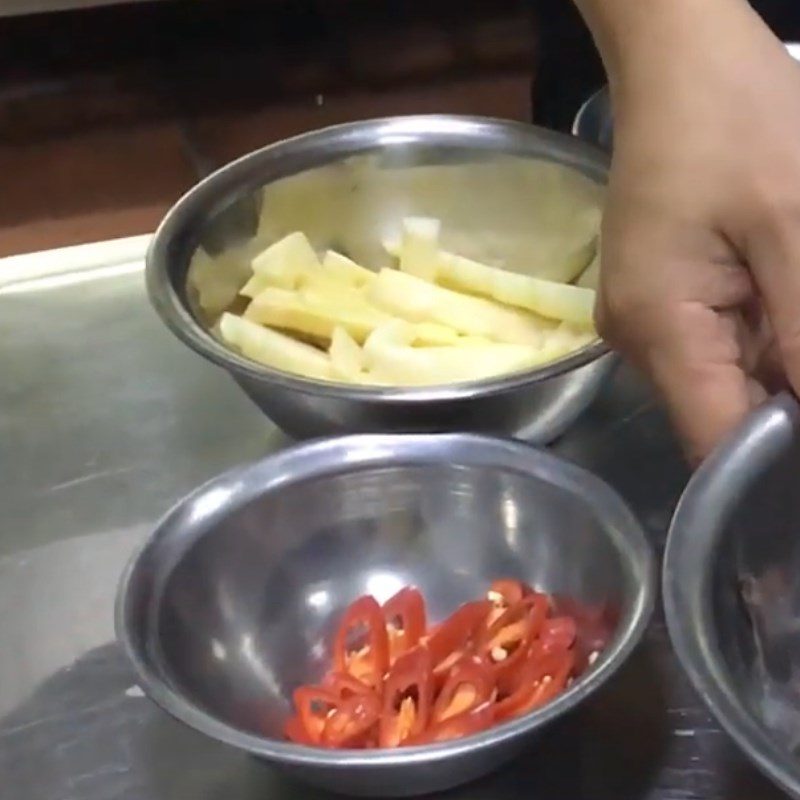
(731,588)
(101,431)
(233,602)
(63,316)
(348,187)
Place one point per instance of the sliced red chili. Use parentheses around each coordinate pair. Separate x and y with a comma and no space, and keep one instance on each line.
(506,592)
(344,685)
(558,633)
(552,675)
(465,724)
(314,704)
(407,698)
(504,643)
(455,637)
(543,677)
(470,684)
(352,722)
(405,621)
(394,685)
(295,731)
(595,629)
(362,647)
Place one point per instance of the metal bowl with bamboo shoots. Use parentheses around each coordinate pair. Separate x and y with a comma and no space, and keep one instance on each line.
(405,274)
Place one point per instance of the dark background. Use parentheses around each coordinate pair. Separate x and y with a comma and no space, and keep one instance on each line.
(107,115)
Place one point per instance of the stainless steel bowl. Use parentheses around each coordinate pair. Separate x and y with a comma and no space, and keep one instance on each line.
(349,186)
(732,588)
(233,601)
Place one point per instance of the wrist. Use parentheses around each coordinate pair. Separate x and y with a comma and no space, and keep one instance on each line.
(640,38)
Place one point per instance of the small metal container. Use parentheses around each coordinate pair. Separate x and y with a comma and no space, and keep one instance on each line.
(364,178)
(732,588)
(234,599)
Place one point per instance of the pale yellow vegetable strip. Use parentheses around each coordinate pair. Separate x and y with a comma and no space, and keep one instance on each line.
(416,300)
(390,358)
(392,247)
(432,333)
(557,301)
(311,278)
(419,247)
(566,339)
(327,290)
(344,269)
(291,311)
(465,274)
(274,349)
(347,358)
(471,341)
(284,261)
(255,285)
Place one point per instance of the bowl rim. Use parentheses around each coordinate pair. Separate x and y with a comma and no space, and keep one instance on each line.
(695,536)
(363,451)
(237,178)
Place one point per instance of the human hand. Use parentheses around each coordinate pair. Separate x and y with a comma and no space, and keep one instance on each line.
(700,281)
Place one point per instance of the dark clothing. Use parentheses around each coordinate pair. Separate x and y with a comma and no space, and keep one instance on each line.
(569,69)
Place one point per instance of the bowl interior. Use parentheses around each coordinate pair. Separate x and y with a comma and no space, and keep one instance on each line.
(756,598)
(237,613)
(507,194)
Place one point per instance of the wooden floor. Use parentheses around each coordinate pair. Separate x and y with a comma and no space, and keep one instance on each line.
(107,116)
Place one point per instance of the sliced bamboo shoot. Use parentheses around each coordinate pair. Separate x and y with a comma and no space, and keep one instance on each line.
(274,349)
(416,300)
(283,262)
(419,247)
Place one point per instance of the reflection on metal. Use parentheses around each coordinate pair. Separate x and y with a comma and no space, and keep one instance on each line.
(45,282)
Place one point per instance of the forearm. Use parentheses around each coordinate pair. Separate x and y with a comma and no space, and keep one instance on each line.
(636,35)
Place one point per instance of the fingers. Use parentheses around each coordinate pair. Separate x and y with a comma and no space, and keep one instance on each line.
(696,363)
(684,336)
(774,254)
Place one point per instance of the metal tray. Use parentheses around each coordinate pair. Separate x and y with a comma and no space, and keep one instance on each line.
(105,421)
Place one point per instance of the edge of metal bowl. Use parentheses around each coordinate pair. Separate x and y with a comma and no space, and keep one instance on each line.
(328,456)
(593,122)
(695,535)
(305,151)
